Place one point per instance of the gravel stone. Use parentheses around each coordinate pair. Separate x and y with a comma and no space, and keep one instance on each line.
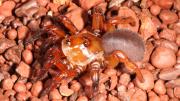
(23,69)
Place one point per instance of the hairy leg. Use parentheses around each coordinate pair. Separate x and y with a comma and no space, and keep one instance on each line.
(97,20)
(68,24)
(94,72)
(121,57)
(54,59)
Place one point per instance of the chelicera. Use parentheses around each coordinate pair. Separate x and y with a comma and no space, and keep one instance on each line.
(79,51)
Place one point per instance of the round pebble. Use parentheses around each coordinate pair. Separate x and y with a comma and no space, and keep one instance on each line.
(23,69)
(54,94)
(177,92)
(163,57)
(22,32)
(168,17)
(7,84)
(164,98)
(27,56)
(139,95)
(36,88)
(155,9)
(12,34)
(19,87)
(124,79)
(153,97)
(7,7)
(148,83)
(159,87)
(165,5)
(82,98)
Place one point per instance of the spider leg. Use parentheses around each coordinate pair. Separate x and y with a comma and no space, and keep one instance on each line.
(109,26)
(64,73)
(46,59)
(120,20)
(68,24)
(55,81)
(94,72)
(97,20)
(121,57)
(33,36)
(55,30)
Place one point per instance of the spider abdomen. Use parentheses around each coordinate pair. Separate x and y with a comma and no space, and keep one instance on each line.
(125,40)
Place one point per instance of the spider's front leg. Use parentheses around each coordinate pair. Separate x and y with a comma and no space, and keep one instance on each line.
(68,24)
(99,24)
(97,20)
(94,72)
(46,60)
(54,58)
(119,56)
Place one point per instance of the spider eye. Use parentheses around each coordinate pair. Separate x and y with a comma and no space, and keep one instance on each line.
(86,42)
(68,42)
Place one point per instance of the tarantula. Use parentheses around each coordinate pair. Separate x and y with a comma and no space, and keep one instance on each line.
(80,51)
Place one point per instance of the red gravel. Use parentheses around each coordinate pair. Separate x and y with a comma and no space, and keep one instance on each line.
(156,21)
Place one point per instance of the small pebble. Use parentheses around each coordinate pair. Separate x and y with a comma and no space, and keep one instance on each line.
(28,85)
(155,9)
(164,98)
(10,93)
(148,83)
(27,56)
(23,69)
(153,97)
(7,84)
(100,97)
(159,87)
(5,44)
(139,95)
(27,9)
(86,4)
(169,44)
(168,34)
(112,98)
(14,54)
(65,91)
(54,94)
(76,86)
(165,5)
(22,32)
(19,87)
(173,83)
(170,92)
(2,60)
(125,79)
(163,57)
(168,17)
(1,77)
(35,99)
(4,98)
(6,8)
(22,96)
(36,88)
(82,98)
(177,92)
(174,99)
(12,34)
(178,40)
(169,74)
(147,28)
(43,2)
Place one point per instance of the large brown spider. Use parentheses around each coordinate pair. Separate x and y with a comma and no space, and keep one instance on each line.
(84,51)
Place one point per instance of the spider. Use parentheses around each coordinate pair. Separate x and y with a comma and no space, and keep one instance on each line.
(79,51)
